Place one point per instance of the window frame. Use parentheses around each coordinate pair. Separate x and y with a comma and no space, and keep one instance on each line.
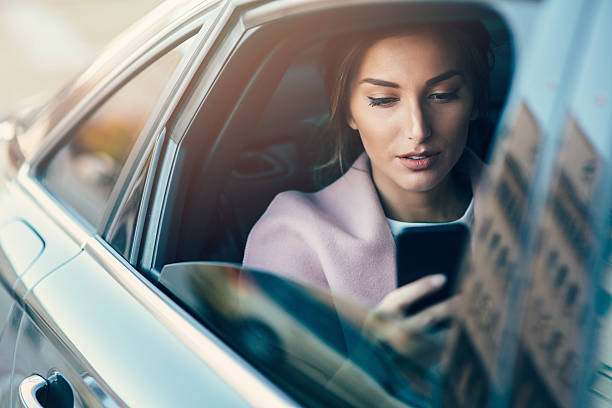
(146,140)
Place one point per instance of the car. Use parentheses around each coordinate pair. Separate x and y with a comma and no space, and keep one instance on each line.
(126,200)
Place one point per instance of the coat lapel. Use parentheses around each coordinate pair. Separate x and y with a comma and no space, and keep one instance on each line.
(360,230)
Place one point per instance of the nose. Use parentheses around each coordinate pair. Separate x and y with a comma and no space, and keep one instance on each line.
(417,126)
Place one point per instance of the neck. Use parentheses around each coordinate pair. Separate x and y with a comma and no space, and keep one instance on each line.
(445,202)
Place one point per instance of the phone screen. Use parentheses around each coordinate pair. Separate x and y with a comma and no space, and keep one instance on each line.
(429,250)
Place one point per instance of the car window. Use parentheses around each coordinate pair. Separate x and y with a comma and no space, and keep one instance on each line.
(83,172)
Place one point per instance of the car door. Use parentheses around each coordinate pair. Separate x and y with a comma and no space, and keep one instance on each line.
(53,214)
(26,256)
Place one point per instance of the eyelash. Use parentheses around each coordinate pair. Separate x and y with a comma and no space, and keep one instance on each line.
(444,97)
(381,101)
(439,97)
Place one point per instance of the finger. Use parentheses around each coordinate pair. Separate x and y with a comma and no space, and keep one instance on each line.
(402,297)
(411,334)
(435,314)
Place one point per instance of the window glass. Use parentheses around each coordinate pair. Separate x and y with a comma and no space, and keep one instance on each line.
(313,343)
(558,297)
(495,251)
(84,171)
(121,234)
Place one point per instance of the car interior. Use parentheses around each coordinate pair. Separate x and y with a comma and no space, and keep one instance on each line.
(272,136)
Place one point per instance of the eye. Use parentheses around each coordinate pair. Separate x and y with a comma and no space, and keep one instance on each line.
(443,96)
(382,101)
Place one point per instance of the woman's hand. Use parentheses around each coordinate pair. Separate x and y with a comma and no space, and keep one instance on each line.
(409,335)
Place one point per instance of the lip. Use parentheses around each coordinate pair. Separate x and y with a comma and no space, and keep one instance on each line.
(419,164)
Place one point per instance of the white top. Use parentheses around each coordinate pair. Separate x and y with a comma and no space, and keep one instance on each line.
(398,226)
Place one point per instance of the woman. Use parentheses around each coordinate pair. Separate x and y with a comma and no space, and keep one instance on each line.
(403,102)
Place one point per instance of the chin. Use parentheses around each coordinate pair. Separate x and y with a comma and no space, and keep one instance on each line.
(419,184)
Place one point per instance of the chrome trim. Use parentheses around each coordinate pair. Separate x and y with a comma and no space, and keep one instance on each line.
(114,212)
(152,234)
(152,123)
(28,389)
(146,198)
(103,398)
(172,96)
(179,128)
(19,292)
(228,35)
(256,389)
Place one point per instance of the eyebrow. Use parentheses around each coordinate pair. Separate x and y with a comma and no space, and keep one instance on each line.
(439,78)
(379,82)
(443,76)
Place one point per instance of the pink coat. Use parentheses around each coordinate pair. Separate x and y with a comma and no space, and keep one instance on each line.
(337,237)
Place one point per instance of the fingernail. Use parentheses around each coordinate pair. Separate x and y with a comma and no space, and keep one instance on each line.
(438,280)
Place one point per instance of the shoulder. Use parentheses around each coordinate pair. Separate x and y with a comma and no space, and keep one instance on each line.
(301,234)
(282,240)
(329,205)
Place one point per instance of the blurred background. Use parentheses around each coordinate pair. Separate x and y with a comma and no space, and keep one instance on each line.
(45,43)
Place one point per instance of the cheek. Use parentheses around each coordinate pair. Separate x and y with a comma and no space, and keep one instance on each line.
(374,123)
(378,135)
(451,124)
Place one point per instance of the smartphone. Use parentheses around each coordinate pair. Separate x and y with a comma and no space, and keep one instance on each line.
(429,250)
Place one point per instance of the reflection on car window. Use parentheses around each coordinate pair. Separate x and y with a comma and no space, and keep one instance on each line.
(312,343)
(558,299)
(495,252)
(84,171)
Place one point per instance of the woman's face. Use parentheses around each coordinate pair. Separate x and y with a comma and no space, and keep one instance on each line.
(411,103)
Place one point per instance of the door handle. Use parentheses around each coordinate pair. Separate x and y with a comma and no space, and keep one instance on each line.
(39,392)
(28,389)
